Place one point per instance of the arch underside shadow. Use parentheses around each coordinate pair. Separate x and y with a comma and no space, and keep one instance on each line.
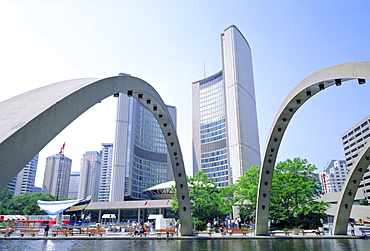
(305,90)
(31,120)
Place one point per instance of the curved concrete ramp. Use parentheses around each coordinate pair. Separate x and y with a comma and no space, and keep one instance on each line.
(305,90)
(31,120)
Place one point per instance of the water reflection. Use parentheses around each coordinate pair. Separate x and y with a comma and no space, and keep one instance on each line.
(174,245)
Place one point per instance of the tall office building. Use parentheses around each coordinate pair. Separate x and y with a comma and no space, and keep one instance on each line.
(333,176)
(354,140)
(225,130)
(90,175)
(141,158)
(24,182)
(57,175)
(106,172)
(74,185)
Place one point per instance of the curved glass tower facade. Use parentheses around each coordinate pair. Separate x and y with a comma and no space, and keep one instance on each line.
(225,130)
(140,152)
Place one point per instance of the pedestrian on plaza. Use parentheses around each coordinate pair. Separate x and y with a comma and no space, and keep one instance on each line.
(46,230)
(208,226)
(352,228)
(9,231)
(251,225)
(177,226)
(215,224)
(318,232)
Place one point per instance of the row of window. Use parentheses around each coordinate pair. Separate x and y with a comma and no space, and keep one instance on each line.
(216,87)
(153,174)
(211,175)
(211,101)
(215,169)
(213,129)
(212,124)
(213,134)
(358,128)
(150,164)
(206,155)
(152,138)
(214,158)
(215,108)
(211,118)
(220,179)
(214,77)
(213,139)
(156,147)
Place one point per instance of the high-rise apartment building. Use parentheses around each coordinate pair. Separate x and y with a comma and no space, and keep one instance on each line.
(74,185)
(141,157)
(90,175)
(354,140)
(333,176)
(24,182)
(225,130)
(106,172)
(57,175)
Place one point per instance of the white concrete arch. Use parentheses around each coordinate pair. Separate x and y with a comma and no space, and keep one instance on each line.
(31,120)
(313,84)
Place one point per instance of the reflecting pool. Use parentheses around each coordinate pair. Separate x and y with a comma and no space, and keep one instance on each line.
(163,245)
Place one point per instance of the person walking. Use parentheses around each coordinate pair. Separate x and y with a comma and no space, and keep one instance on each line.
(352,228)
(46,230)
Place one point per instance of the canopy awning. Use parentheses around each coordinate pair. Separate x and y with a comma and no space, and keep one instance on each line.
(12,217)
(53,208)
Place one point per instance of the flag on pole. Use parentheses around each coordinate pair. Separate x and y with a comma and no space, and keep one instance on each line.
(62,149)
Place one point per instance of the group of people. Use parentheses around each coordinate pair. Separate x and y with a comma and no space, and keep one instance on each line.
(141,226)
(233,223)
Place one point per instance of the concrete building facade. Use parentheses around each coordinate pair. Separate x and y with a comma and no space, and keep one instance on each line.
(353,141)
(57,175)
(24,182)
(90,175)
(141,157)
(106,172)
(333,176)
(225,128)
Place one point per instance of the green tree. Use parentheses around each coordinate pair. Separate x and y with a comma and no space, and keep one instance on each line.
(5,196)
(205,199)
(294,193)
(246,189)
(25,204)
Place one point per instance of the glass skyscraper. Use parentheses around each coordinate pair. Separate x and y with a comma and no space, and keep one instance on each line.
(140,151)
(225,130)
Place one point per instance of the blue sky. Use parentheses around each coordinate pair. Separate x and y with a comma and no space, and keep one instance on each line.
(167,43)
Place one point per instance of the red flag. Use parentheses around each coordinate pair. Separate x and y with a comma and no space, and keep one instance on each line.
(146,203)
(62,149)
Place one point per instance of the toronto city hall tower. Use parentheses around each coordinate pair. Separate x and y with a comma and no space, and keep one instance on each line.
(225,129)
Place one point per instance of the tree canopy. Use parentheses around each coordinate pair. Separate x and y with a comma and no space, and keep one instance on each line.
(294,193)
(25,204)
(207,201)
